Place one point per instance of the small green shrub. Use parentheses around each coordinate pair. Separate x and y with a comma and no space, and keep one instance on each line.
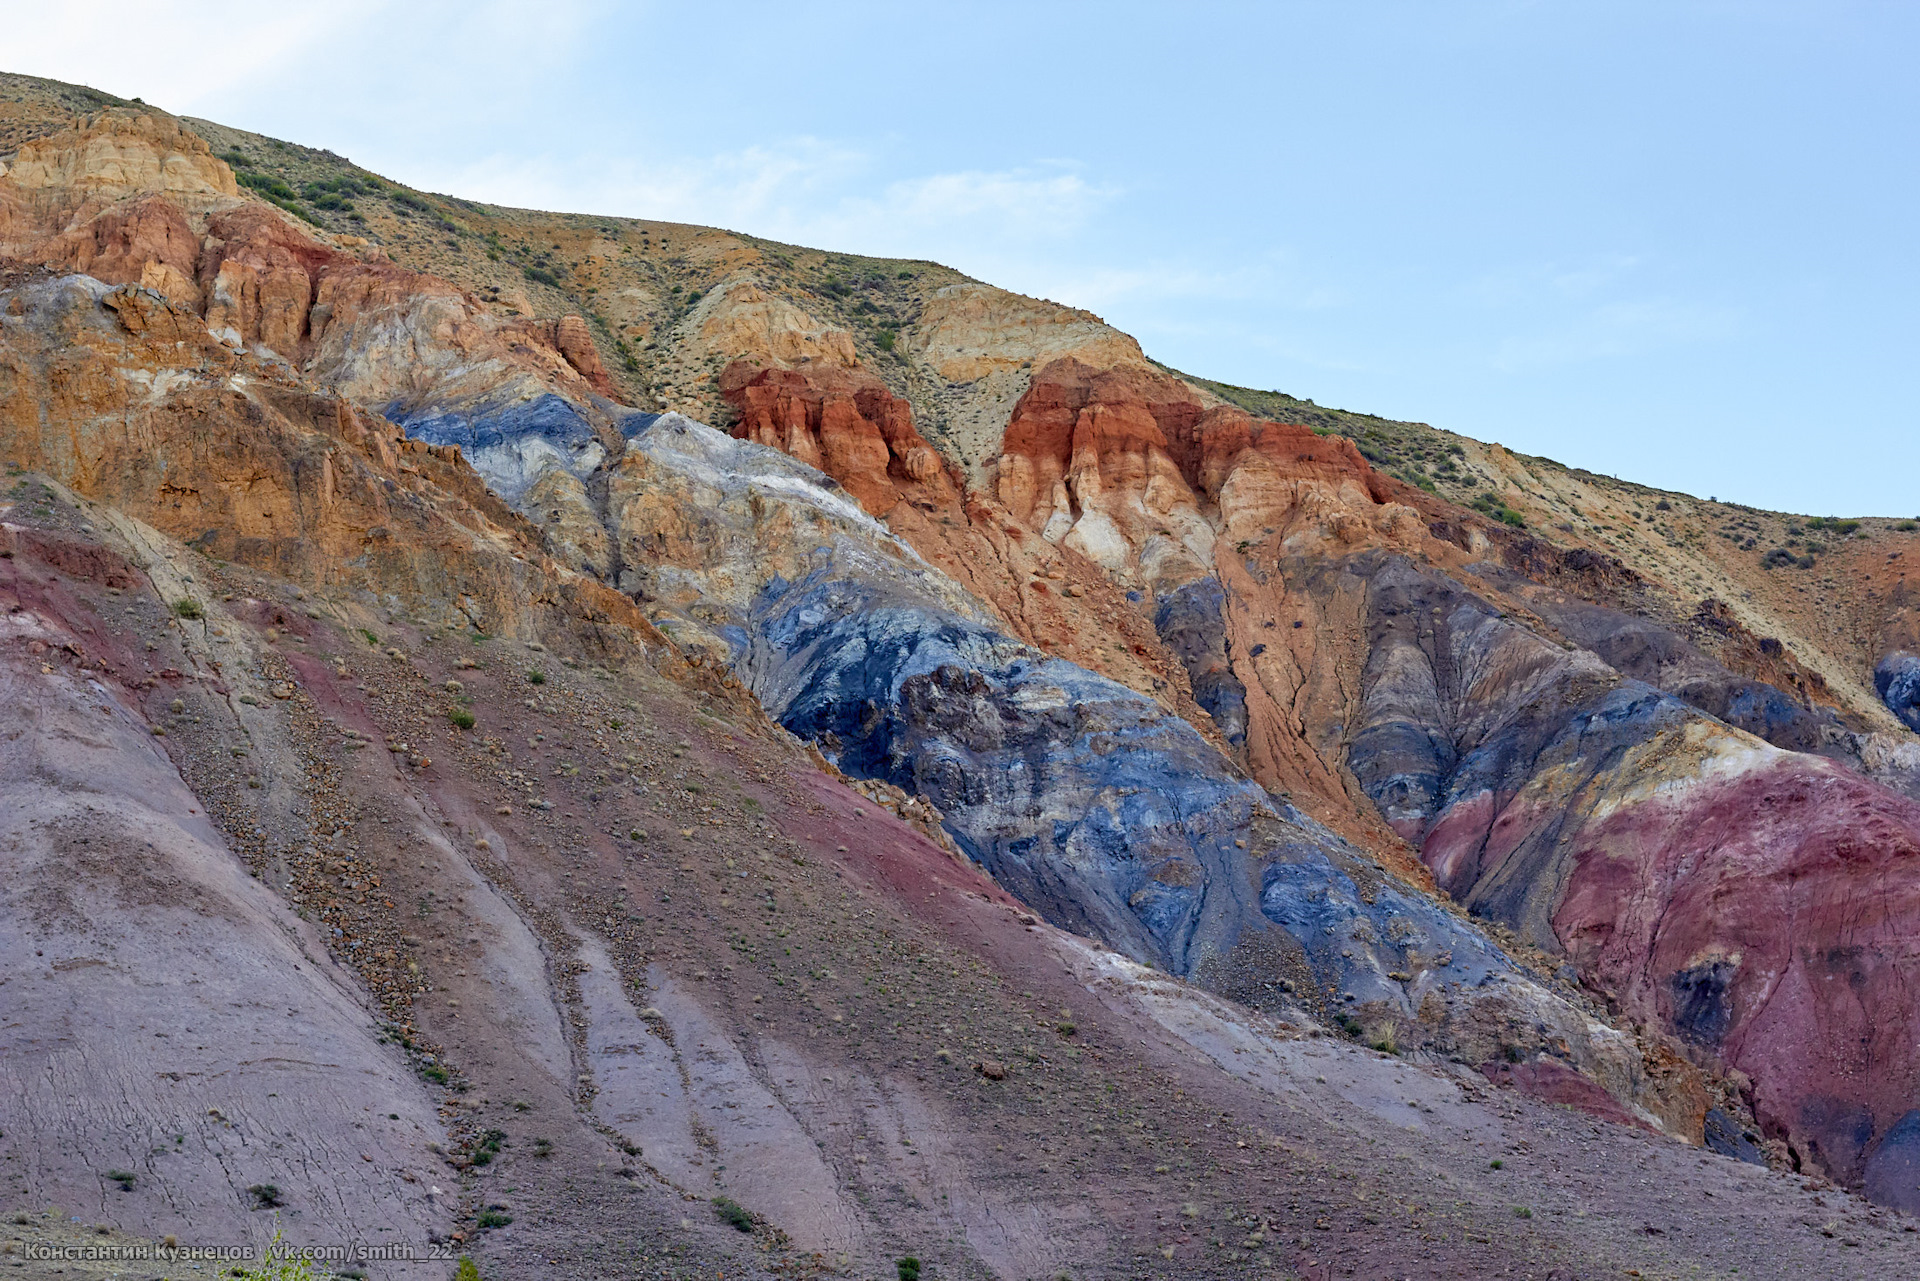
(1496,1163)
(467,1271)
(732,1212)
(187,607)
(267,185)
(367,636)
(266,1196)
(461,718)
(493,1219)
(1522,1212)
(908,1269)
(1907,526)
(536,677)
(123,1177)
(435,1073)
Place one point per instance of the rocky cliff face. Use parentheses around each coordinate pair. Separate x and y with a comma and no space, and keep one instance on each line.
(844,423)
(133,403)
(1091,802)
(1245,698)
(515,969)
(1588,810)
(1506,750)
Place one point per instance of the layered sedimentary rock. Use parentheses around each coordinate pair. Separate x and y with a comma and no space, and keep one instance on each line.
(1092,803)
(143,409)
(1205,686)
(843,422)
(1124,590)
(972,331)
(131,199)
(1505,741)
(863,437)
(1085,461)
(741,318)
(1132,468)
(111,155)
(1703,879)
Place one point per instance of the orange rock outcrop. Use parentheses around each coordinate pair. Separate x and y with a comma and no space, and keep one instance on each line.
(844,422)
(1130,467)
(138,199)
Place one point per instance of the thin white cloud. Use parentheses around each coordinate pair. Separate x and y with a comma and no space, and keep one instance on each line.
(1585,281)
(1619,329)
(287,69)
(740,189)
(1276,282)
(172,52)
(808,191)
(1017,205)
(1598,309)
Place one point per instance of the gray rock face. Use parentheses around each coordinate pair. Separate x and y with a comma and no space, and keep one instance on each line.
(1324,906)
(1117,820)
(1105,813)
(1645,650)
(512,444)
(1096,807)
(1893,1170)
(1896,679)
(1192,621)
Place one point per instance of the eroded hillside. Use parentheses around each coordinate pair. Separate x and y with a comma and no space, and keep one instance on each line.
(809,818)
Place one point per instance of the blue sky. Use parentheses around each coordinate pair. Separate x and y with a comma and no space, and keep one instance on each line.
(1673,241)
